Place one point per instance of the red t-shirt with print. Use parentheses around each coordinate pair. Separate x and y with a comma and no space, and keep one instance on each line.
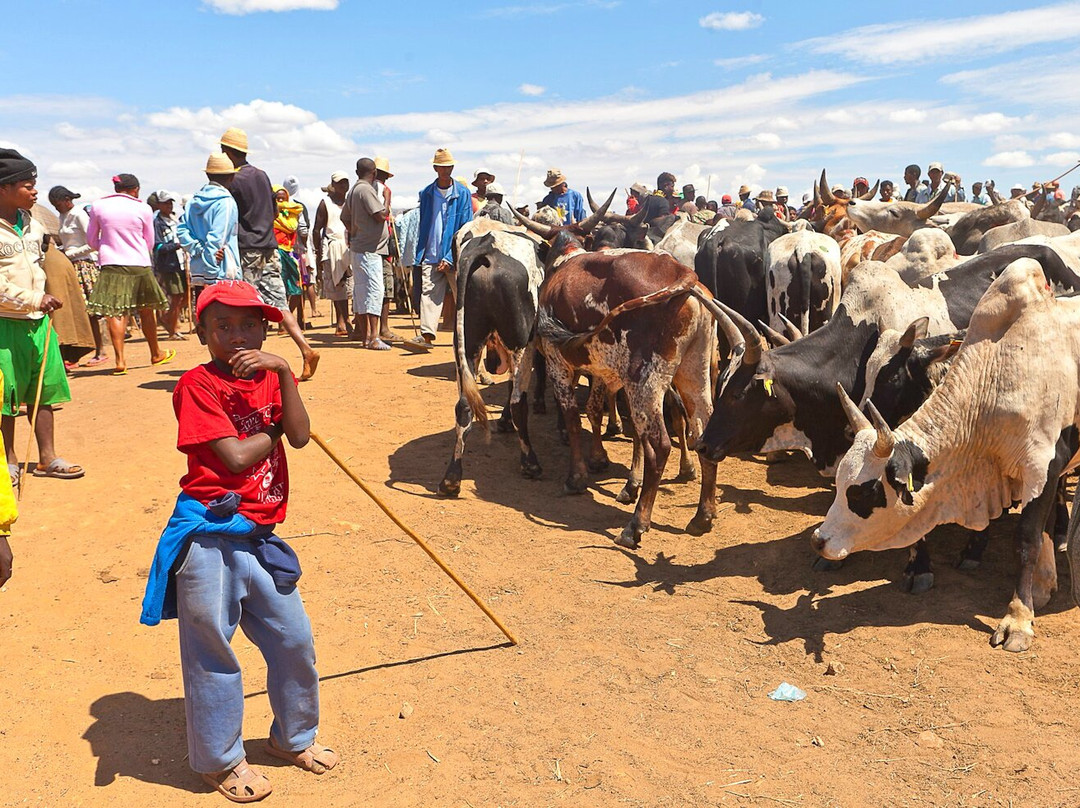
(212,404)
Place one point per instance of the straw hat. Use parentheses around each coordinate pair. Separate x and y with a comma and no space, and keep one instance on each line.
(554,177)
(218,163)
(442,157)
(766,196)
(383,165)
(335,178)
(782,191)
(235,138)
(744,189)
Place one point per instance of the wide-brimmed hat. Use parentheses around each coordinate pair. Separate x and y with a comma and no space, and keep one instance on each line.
(335,178)
(765,196)
(554,177)
(494,189)
(744,189)
(236,293)
(383,165)
(1019,187)
(219,163)
(58,192)
(782,191)
(235,138)
(479,171)
(442,157)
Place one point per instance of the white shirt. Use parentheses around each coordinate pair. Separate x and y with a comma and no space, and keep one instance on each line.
(73,226)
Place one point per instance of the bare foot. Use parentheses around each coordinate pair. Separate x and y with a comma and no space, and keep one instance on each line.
(311,362)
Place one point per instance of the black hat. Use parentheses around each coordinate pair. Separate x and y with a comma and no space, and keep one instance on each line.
(15,168)
(58,192)
(125,182)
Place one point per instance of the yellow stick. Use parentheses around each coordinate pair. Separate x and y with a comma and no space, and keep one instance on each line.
(408,531)
(37,403)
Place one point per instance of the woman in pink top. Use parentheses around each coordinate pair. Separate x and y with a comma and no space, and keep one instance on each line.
(121,229)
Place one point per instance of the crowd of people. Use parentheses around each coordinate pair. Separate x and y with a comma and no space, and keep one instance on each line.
(243,254)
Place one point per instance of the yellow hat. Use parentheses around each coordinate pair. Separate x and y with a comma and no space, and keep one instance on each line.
(218,163)
(382,164)
(235,139)
(442,157)
(744,189)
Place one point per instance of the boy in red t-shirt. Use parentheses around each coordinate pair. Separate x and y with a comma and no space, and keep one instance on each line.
(232,413)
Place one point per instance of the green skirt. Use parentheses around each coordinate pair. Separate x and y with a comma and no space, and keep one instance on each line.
(124,290)
(172,283)
(290,273)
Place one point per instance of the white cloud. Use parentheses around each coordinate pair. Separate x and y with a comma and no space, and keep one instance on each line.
(971,37)
(252,6)
(538,9)
(909,115)
(731,20)
(986,123)
(1063,158)
(531,89)
(733,62)
(77,169)
(1009,159)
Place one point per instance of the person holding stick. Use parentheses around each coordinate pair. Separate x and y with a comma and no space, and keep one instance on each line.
(219,565)
(33,371)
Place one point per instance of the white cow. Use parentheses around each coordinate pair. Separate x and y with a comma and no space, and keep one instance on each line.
(802,277)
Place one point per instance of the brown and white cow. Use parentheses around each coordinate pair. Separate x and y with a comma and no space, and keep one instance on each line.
(1000,429)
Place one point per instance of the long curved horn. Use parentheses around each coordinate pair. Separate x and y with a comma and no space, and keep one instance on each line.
(592,202)
(817,196)
(934,205)
(754,341)
(826,194)
(855,416)
(791,327)
(545,231)
(585,226)
(775,336)
(885,442)
(869,195)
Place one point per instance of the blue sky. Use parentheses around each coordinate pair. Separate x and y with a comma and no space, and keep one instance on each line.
(610,92)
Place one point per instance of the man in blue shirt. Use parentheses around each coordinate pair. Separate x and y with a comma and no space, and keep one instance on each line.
(445,206)
(569,204)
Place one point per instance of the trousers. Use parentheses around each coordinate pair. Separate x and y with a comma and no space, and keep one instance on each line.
(221,585)
(433,288)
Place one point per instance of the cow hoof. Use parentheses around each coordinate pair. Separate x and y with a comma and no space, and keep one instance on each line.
(772,458)
(968,564)
(687,475)
(597,464)
(504,425)
(575,485)
(450,488)
(699,525)
(826,565)
(564,437)
(919,584)
(613,430)
(629,538)
(628,496)
(539,407)
(1012,638)
(531,471)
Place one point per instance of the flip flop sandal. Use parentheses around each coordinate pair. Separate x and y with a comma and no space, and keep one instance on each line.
(170,355)
(97,360)
(315,759)
(120,372)
(417,345)
(60,469)
(378,345)
(15,473)
(240,784)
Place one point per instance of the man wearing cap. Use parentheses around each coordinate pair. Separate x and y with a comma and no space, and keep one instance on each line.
(766,203)
(569,203)
(784,211)
(493,205)
(445,205)
(382,174)
(365,216)
(259,259)
(167,267)
(482,178)
(121,229)
(26,350)
(73,223)
(745,202)
(936,171)
(727,209)
(207,229)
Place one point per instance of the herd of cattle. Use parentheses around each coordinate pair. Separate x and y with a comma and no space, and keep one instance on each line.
(926,356)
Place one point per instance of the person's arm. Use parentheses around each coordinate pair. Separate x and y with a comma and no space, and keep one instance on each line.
(320,226)
(148,231)
(83,251)
(295,424)
(5,560)
(192,246)
(346,213)
(93,230)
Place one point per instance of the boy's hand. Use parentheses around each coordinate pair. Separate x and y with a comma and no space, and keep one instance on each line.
(5,560)
(246,363)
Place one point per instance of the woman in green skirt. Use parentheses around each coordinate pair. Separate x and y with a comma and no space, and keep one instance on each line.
(122,231)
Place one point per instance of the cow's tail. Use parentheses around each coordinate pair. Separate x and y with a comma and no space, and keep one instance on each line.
(467,387)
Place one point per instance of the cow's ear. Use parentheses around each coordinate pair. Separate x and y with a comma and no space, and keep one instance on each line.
(906,470)
(767,383)
(916,331)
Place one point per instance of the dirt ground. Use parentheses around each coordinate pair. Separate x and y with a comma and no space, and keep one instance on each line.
(641,678)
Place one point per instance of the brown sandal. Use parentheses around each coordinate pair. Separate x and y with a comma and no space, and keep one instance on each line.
(240,784)
(315,759)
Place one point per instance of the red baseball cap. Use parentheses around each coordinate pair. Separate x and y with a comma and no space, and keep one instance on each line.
(725,199)
(236,293)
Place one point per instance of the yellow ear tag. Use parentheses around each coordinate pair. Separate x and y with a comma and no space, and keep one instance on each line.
(910,484)
(768,387)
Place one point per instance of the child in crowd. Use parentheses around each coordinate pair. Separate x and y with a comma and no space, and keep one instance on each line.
(218,563)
